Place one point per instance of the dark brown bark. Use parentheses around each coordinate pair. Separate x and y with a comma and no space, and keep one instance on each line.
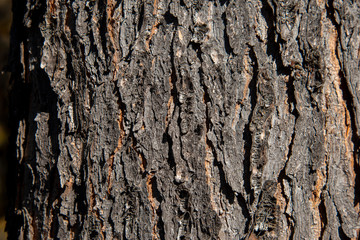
(185,119)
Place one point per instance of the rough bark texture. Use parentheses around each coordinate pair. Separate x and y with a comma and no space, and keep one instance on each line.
(184,119)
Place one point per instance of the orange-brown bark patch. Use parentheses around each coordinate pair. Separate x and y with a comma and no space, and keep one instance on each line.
(209,181)
(342,109)
(320,3)
(154,207)
(117,149)
(155,7)
(339,121)
(280,199)
(236,116)
(170,106)
(143,162)
(315,200)
(252,236)
(152,33)
(247,73)
(68,187)
(51,6)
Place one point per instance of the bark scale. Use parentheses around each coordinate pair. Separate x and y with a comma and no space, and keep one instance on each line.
(185,119)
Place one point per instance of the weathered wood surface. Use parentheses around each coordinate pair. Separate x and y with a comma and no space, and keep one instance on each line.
(184,119)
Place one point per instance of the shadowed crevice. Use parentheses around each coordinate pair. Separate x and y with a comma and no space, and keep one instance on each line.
(141,17)
(247,135)
(245,211)
(323,217)
(103,31)
(348,98)
(229,50)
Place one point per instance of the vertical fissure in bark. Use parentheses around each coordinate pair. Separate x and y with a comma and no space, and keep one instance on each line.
(349,102)
(140,155)
(25,36)
(348,99)
(247,135)
(21,105)
(184,212)
(154,194)
(343,235)
(103,29)
(49,101)
(171,19)
(268,13)
(152,190)
(330,14)
(112,33)
(111,221)
(53,207)
(341,232)
(225,187)
(282,175)
(273,49)
(197,48)
(141,17)
(291,99)
(173,99)
(95,212)
(273,44)
(80,200)
(173,76)
(323,216)
(223,2)
(171,157)
(152,33)
(122,112)
(245,211)
(160,224)
(229,50)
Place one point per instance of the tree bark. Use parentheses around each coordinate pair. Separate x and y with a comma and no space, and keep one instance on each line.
(184,119)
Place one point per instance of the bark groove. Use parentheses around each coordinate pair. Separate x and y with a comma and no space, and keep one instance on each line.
(182,119)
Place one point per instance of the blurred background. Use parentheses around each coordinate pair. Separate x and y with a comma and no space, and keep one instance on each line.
(5,23)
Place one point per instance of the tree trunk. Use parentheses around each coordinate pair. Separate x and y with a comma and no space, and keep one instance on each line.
(185,119)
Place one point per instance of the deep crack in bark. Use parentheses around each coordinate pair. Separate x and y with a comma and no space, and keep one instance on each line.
(348,99)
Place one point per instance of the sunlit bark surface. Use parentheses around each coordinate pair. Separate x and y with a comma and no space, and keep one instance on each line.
(185,119)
